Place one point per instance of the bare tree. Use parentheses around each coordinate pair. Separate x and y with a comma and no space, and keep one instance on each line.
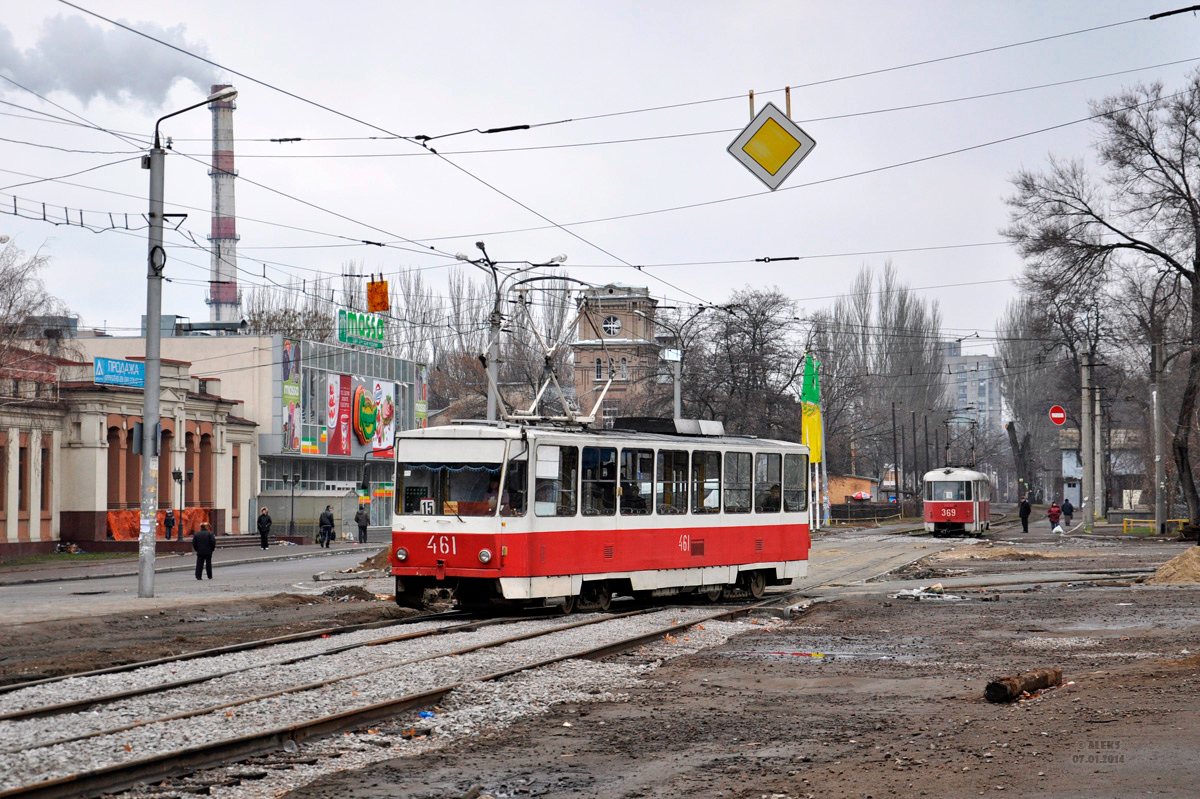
(28,345)
(1139,211)
(303,310)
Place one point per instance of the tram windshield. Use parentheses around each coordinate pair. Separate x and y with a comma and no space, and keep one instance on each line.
(947,491)
(461,489)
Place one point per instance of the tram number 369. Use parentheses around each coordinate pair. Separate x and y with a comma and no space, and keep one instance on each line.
(946,512)
(442,545)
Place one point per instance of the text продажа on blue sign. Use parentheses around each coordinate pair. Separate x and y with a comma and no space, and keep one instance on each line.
(112,372)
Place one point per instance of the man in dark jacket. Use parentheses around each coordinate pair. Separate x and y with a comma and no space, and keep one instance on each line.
(326,525)
(363,520)
(1068,510)
(264,528)
(169,524)
(1024,510)
(205,543)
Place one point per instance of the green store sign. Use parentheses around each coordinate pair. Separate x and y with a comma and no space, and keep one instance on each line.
(363,329)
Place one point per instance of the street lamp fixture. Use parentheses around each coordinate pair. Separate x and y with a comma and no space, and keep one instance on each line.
(156,261)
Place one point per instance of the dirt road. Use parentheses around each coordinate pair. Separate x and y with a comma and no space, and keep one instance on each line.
(894,708)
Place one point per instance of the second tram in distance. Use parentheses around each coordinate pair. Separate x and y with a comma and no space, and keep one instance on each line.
(531,515)
(957,500)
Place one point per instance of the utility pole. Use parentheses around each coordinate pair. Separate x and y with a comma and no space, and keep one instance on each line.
(937,441)
(1160,475)
(903,468)
(156,260)
(1085,442)
(927,465)
(895,457)
(916,474)
(1098,455)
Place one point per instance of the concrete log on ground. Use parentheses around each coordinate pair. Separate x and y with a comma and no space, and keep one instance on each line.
(1006,689)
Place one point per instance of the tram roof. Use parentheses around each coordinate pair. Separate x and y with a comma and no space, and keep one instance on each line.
(483,431)
(954,473)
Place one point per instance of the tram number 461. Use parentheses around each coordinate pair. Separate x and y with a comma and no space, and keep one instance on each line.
(685,543)
(442,545)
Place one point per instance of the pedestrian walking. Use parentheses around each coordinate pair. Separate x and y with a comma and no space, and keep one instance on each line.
(205,543)
(1024,510)
(169,524)
(363,520)
(264,528)
(326,526)
(1068,510)
(1054,513)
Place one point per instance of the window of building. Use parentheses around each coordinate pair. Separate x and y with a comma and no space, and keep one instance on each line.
(599,369)
(767,482)
(795,483)
(624,369)
(671,484)
(23,479)
(739,481)
(599,481)
(637,481)
(557,474)
(706,482)
(44,489)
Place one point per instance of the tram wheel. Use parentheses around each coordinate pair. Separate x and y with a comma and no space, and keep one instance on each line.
(596,595)
(714,593)
(568,606)
(756,583)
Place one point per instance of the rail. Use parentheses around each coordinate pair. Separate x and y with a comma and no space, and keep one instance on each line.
(94,781)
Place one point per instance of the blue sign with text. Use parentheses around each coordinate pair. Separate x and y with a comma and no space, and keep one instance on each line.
(112,372)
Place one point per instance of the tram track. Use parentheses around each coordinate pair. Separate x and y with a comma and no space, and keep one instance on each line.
(244,741)
(243,646)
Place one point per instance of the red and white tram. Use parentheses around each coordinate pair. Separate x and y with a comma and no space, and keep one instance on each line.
(957,500)
(528,515)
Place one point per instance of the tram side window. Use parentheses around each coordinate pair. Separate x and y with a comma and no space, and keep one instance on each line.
(739,481)
(599,481)
(767,482)
(516,489)
(554,492)
(637,481)
(706,482)
(795,483)
(671,486)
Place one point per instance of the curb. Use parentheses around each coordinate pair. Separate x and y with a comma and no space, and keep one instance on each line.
(371,549)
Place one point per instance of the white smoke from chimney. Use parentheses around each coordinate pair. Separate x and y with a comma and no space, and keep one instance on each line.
(90,61)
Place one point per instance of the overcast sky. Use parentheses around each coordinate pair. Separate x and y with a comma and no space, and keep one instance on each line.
(434,68)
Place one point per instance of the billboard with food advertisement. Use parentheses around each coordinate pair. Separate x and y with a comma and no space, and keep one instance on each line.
(290,397)
(385,418)
(337,414)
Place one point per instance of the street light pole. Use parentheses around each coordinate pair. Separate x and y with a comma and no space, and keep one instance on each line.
(156,260)
(496,319)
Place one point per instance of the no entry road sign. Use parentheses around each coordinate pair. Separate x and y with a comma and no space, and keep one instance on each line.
(1058,415)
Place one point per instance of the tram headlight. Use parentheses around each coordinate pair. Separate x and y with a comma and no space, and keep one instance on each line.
(485,556)
(401,553)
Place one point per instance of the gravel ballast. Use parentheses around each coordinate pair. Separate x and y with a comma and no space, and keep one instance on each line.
(25,762)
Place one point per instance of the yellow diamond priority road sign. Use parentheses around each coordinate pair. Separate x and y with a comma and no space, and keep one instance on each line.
(772,146)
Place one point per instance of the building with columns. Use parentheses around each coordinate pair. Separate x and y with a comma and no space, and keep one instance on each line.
(68,471)
(616,336)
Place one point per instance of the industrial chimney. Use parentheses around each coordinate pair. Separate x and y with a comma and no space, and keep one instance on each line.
(224,302)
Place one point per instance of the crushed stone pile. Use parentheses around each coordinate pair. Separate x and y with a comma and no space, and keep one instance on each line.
(1183,569)
(349,593)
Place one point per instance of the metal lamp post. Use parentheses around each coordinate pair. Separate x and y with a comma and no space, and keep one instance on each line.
(177,476)
(156,261)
